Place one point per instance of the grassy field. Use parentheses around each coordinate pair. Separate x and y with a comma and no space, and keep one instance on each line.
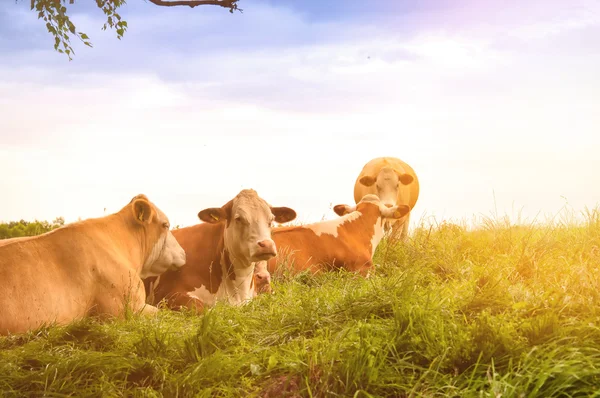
(499,310)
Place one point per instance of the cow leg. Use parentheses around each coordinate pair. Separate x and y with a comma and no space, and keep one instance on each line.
(400,229)
(404,233)
(179,301)
(366,268)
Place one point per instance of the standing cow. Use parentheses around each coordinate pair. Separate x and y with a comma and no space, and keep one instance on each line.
(394,182)
(90,267)
(221,255)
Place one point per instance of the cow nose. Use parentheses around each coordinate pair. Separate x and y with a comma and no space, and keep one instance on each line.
(267,246)
(388,205)
(263,276)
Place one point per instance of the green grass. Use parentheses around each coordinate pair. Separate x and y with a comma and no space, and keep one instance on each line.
(500,310)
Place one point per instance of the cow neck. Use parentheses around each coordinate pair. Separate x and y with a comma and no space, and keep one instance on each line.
(137,252)
(237,276)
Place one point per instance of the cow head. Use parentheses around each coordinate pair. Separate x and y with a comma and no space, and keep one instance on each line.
(249,221)
(369,201)
(262,278)
(162,252)
(387,183)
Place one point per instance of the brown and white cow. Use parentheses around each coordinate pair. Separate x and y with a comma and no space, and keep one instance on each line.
(394,182)
(221,254)
(347,242)
(91,267)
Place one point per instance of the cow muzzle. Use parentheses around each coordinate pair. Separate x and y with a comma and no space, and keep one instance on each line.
(265,249)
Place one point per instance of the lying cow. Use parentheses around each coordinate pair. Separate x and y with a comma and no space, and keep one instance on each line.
(221,254)
(347,242)
(394,182)
(4,242)
(262,278)
(91,267)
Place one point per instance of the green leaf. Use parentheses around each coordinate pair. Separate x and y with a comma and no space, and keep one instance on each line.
(71,26)
(84,36)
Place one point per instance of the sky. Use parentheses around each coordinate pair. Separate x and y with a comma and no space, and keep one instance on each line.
(495,104)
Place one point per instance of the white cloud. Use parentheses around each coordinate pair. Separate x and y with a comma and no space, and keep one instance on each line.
(298,123)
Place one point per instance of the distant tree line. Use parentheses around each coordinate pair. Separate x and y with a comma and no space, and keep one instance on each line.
(16,229)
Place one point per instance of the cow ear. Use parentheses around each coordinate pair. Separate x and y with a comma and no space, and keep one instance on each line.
(139,196)
(342,210)
(283,214)
(367,181)
(405,178)
(213,215)
(142,211)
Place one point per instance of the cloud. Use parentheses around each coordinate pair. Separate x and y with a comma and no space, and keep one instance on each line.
(191,105)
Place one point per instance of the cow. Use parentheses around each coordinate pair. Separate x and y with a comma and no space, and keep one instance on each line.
(347,242)
(221,254)
(4,242)
(92,267)
(395,183)
(262,279)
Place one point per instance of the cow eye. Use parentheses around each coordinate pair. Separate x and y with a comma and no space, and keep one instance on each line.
(166,225)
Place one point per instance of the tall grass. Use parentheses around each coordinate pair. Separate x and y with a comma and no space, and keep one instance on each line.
(498,310)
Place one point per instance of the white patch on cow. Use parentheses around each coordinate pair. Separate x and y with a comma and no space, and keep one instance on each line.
(330,227)
(201,293)
(377,235)
(235,292)
(173,255)
(238,291)
(165,254)
(150,267)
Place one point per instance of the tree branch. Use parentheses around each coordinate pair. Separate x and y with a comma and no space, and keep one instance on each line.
(231,4)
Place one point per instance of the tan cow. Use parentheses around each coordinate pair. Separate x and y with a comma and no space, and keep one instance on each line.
(394,182)
(91,267)
(4,242)
(347,242)
(221,254)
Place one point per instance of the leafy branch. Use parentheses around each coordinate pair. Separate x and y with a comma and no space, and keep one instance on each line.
(59,25)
